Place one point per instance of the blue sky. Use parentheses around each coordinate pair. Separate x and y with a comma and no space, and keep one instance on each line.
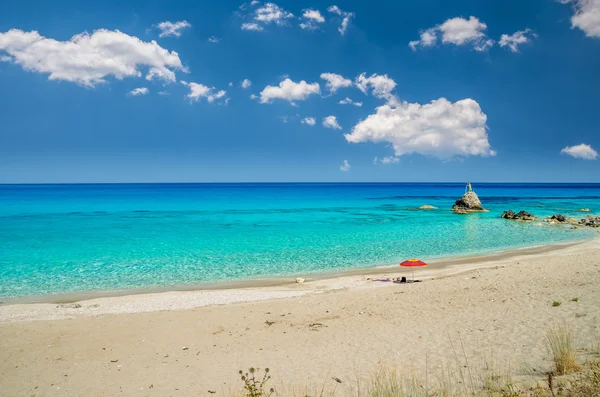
(456,105)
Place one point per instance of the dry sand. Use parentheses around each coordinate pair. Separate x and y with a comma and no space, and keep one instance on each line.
(185,343)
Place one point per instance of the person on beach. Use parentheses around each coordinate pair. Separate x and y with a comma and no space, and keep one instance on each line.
(469,188)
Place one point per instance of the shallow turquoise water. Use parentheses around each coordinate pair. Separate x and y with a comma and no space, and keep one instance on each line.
(67,238)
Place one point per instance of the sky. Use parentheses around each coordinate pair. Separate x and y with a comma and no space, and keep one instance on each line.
(299,91)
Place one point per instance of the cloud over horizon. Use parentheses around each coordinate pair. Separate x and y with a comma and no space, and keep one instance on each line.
(440,128)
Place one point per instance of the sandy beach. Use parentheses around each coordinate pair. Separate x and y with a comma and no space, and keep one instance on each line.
(185,343)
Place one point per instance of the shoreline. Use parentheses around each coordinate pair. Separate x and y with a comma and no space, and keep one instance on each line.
(359,279)
(495,311)
(286,280)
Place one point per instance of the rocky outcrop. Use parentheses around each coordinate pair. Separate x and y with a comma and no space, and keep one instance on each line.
(520,216)
(558,218)
(468,203)
(590,221)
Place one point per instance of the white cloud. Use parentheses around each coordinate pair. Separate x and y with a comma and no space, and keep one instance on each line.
(335,81)
(346,18)
(331,122)
(198,91)
(460,30)
(163,93)
(311,19)
(252,26)
(309,121)
(428,39)
(381,85)
(230,84)
(88,59)
(289,90)
(441,128)
(514,40)
(172,29)
(335,10)
(139,91)
(581,151)
(386,160)
(345,167)
(457,31)
(272,13)
(246,83)
(586,16)
(315,15)
(348,101)
(254,2)
(213,39)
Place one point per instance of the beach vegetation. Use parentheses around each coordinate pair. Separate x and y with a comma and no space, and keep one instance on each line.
(254,384)
(575,300)
(561,344)
(555,304)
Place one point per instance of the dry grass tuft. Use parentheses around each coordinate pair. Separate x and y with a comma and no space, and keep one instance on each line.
(561,343)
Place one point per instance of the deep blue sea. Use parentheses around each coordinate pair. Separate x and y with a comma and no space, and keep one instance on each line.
(68,238)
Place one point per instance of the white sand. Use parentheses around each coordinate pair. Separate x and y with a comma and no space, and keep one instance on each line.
(333,327)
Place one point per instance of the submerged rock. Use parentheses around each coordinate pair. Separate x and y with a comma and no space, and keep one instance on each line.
(520,216)
(468,203)
(584,210)
(427,207)
(590,221)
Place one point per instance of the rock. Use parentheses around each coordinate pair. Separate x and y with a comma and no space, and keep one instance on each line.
(584,210)
(520,216)
(299,280)
(427,207)
(467,203)
(558,218)
(590,221)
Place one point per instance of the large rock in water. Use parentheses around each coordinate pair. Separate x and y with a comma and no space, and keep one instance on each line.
(590,221)
(467,203)
(520,216)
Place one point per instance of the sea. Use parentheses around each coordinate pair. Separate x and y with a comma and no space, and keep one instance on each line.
(57,239)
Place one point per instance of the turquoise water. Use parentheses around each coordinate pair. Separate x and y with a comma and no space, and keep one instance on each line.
(67,238)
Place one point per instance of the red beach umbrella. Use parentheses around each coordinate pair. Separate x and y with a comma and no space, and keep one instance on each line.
(413,263)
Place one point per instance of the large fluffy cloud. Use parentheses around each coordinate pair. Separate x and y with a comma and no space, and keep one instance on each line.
(335,81)
(587,16)
(513,41)
(88,59)
(457,31)
(441,128)
(289,91)
(172,28)
(581,151)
